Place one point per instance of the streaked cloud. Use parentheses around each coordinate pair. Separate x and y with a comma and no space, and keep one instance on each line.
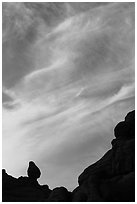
(68,89)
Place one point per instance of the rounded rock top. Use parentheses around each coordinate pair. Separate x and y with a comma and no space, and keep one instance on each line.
(33,171)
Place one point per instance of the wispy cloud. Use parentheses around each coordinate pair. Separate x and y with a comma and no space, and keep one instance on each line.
(70,101)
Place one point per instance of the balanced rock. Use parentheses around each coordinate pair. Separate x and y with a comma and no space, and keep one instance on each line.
(33,171)
(22,189)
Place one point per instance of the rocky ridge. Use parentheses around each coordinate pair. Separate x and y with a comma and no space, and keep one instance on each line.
(112,178)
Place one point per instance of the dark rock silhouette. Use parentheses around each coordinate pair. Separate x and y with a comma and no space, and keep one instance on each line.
(112,178)
(59,194)
(33,171)
(24,189)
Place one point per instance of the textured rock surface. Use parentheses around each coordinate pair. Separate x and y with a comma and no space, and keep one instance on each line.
(112,178)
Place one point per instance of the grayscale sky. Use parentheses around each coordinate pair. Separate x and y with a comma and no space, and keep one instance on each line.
(68,78)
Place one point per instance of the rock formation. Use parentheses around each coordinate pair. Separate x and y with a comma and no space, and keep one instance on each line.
(33,171)
(112,178)
(59,194)
(24,189)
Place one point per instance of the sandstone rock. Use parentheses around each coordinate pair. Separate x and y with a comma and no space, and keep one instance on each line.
(33,171)
(101,167)
(23,189)
(123,157)
(88,191)
(112,176)
(119,188)
(122,130)
(59,194)
(130,117)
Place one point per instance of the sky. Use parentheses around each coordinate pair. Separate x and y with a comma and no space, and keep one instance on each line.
(68,79)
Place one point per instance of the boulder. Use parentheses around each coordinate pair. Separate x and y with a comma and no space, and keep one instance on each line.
(60,194)
(33,171)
